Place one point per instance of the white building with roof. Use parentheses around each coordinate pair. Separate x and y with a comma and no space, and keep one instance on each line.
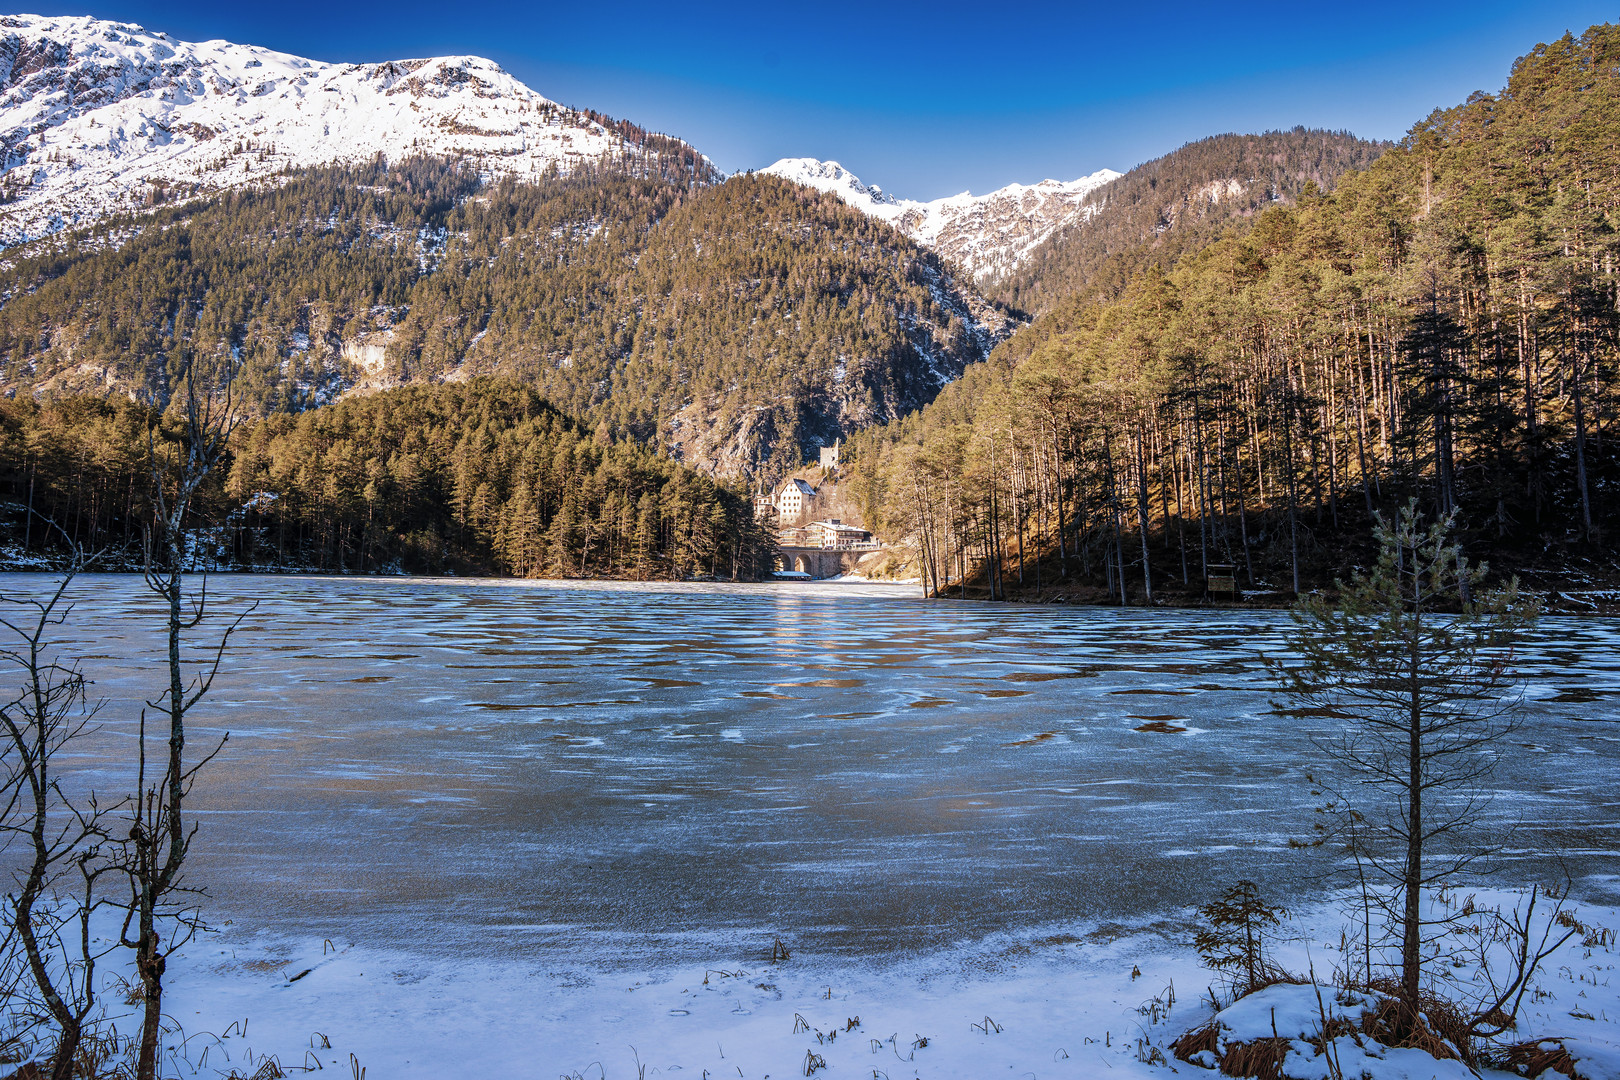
(835,534)
(795,500)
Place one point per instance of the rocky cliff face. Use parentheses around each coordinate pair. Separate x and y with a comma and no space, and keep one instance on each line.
(987,235)
(853,393)
(98,117)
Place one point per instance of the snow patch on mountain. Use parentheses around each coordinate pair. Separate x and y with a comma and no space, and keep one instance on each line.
(98,117)
(833,177)
(988,235)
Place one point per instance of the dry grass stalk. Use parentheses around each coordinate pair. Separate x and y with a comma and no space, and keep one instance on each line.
(1261,1059)
(1197,1041)
(269,1069)
(1441,1030)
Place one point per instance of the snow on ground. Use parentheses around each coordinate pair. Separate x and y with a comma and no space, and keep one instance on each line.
(1295,1013)
(1052,1003)
(14,557)
(860,578)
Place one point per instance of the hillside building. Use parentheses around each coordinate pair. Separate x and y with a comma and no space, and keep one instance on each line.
(836,535)
(795,501)
(764,506)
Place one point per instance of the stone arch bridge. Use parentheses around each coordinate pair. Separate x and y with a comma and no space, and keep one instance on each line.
(820,562)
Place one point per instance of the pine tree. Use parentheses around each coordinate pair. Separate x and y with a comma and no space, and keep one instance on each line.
(1234,939)
(1425,676)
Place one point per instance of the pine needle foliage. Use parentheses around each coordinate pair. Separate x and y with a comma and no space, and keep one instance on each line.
(1420,663)
(1233,940)
(484,476)
(1168,208)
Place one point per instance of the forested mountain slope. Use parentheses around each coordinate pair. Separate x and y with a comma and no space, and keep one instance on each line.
(99,118)
(1161,210)
(738,324)
(1441,327)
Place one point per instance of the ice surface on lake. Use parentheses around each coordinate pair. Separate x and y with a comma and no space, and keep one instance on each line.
(449,765)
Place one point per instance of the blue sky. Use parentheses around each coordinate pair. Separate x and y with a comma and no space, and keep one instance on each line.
(932,99)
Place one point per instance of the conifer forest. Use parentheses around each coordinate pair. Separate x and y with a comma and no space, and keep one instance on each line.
(592,373)
(1441,325)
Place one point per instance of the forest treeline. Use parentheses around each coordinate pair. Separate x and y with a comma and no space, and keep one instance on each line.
(477,477)
(742,323)
(1174,205)
(1442,326)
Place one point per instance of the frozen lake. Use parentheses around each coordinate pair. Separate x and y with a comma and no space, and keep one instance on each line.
(621,770)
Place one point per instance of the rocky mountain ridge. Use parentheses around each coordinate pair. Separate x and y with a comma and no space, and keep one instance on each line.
(988,235)
(98,117)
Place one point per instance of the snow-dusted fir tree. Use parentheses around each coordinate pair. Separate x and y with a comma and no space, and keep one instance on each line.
(1419,658)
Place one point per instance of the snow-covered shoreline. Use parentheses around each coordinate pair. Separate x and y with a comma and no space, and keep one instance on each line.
(1052,1002)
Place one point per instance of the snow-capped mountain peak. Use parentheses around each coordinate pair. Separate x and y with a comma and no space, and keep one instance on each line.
(100,116)
(986,234)
(833,177)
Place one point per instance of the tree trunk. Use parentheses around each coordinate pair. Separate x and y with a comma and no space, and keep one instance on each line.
(1580,443)
(1412,878)
(1142,516)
